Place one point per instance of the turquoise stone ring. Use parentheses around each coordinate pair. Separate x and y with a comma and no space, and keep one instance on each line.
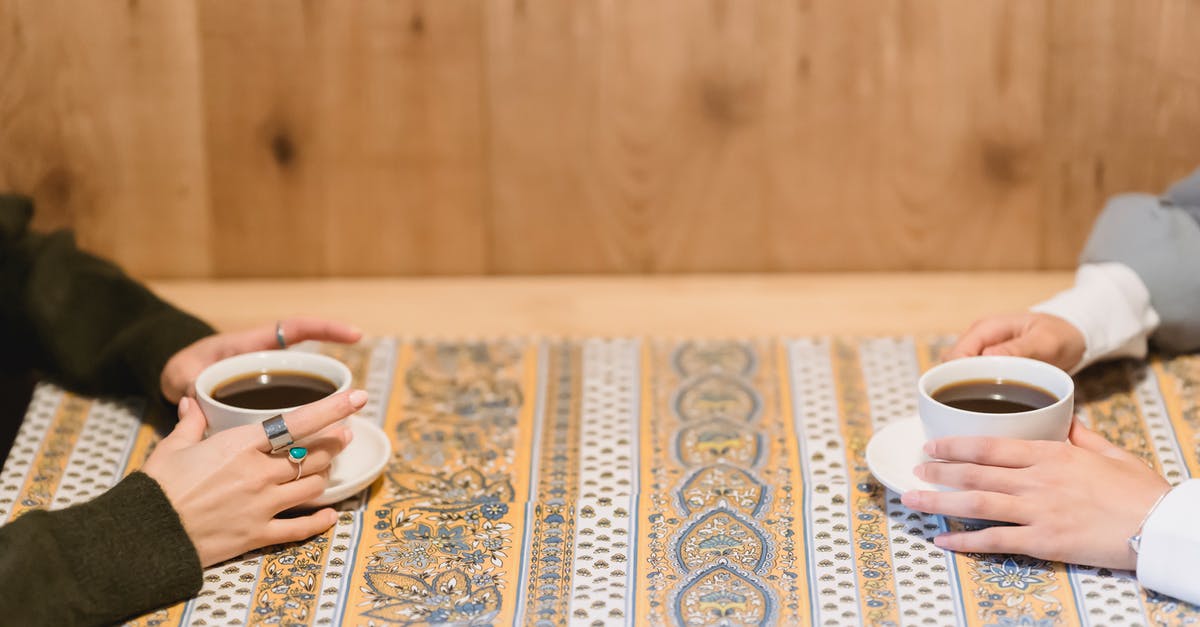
(296,455)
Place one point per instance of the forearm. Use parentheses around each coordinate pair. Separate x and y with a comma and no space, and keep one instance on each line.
(80,318)
(1138,277)
(122,554)
(1160,241)
(1110,307)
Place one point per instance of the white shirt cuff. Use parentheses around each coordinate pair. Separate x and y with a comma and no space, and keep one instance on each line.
(1170,547)
(1110,306)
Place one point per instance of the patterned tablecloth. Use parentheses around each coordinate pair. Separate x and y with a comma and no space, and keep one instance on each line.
(624,481)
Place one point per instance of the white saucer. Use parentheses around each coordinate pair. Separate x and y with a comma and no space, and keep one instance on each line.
(893,452)
(357,466)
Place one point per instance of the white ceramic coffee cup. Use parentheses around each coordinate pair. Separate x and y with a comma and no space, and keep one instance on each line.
(221,416)
(1047,423)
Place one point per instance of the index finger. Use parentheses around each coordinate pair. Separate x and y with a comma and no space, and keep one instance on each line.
(314,417)
(980,335)
(297,330)
(985,451)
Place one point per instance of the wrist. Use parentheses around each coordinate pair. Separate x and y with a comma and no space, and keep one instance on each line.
(1110,308)
(1135,540)
(1069,345)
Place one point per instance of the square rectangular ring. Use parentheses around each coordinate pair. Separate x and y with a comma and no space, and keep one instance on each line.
(277,433)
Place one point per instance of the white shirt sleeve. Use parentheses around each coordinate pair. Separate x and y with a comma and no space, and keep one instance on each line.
(1170,547)
(1110,306)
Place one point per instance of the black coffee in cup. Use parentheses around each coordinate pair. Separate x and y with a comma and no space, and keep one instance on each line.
(275,389)
(993,396)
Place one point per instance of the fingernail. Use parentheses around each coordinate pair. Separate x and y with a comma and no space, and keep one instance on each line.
(183,405)
(358,398)
(910,499)
(333,517)
(928,448)
(939,542)
(347,436)
(356,330)
(919,471)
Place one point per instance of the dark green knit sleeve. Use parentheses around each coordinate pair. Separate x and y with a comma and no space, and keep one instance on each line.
(118,556)
(79,318)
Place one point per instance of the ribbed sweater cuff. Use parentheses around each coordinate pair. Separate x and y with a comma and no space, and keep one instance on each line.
(132,550)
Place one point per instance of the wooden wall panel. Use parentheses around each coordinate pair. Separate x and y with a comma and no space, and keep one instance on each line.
(100,121)
(384,137)
(345,137)
(726,136)
(902,149)
(1124,109)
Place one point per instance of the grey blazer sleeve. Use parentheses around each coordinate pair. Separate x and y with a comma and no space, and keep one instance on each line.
(1159,239)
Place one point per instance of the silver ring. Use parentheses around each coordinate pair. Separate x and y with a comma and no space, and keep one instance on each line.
(277,433)
(279,335)
(296,455)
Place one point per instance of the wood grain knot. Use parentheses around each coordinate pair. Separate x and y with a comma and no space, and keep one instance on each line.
(1003,164)
(283,149)
(726,103)
(55,188)
(803,67)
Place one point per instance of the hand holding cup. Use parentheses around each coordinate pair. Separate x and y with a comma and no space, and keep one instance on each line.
(228,488)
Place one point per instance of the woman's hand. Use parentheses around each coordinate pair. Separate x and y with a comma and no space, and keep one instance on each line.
(1035,335)
(228,488)
(1074,502)
(181,370)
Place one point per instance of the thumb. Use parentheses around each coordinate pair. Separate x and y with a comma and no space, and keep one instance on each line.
(190,428)
(1089,440)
